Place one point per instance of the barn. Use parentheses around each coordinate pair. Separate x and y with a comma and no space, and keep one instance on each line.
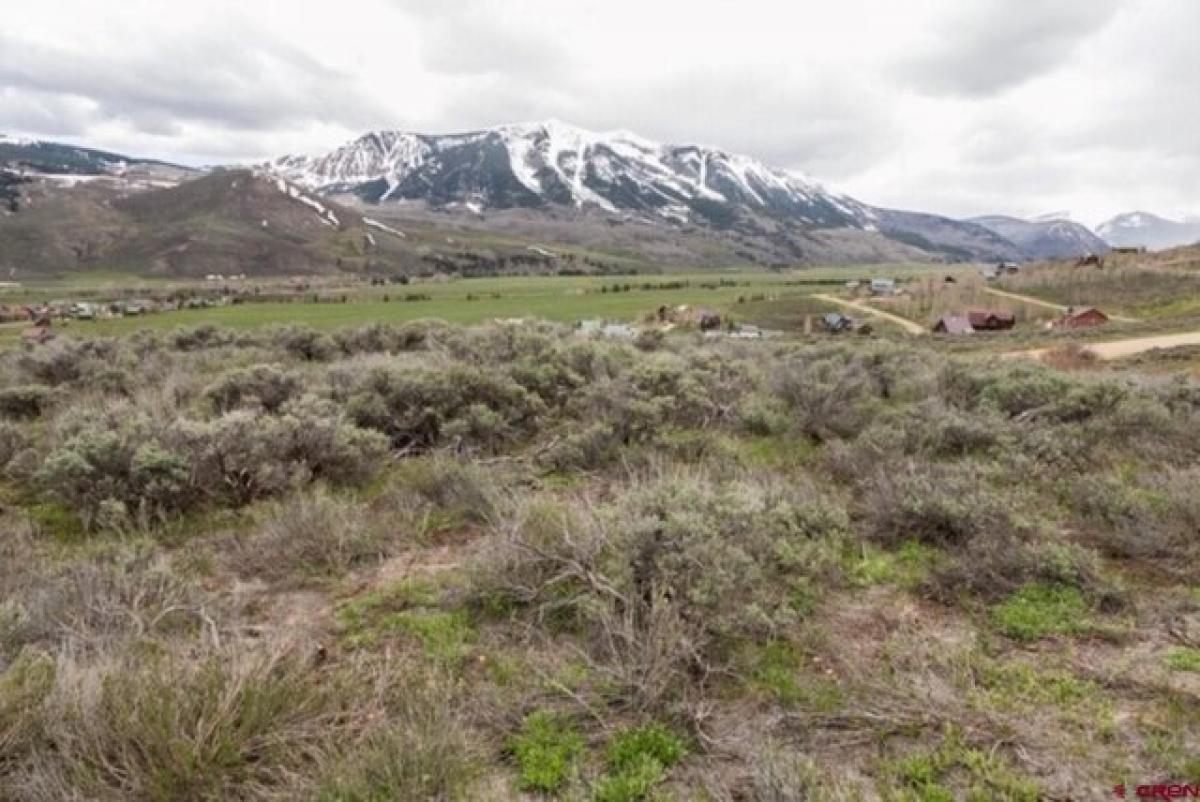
(953,324)
(1081,318)
(991,319)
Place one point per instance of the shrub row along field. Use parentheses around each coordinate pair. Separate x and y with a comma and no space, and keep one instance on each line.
(424,562)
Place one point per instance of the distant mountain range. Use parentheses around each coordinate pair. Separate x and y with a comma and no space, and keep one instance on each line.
(1142,229)
(1045,238)
(610,199)
(54,158)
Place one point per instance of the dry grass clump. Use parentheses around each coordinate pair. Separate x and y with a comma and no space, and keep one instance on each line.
(310,536)
(1070,356)
(235,721)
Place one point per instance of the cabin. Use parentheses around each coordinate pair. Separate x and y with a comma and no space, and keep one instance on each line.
(1008,268)
(1081,318)
(1133,250)
(883,286)
(83,311)
(836,322)
(1091,260)
(747,332)
(991,319)
(709,320)
(953,324)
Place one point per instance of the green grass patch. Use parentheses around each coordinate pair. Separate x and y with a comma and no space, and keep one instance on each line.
(907,566)
(547,750)
(955,771)
(445,636)
(408,607)
(777,670)
(1184,658)
(774,451)
(638,759)
(1038,611)
(1016,686)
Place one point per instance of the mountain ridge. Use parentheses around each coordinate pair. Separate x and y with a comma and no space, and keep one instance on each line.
(554,165)
(1148,230)
(1045,237)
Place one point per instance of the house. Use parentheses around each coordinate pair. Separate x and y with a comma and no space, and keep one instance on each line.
(38,333)
(83,310)
(620,331)
(709,320)
(991,319)
(1136,249)
(953,324)
(139,306)
(1091,260)
(883,286)
(1081,318)
(836,322)
(1008,268)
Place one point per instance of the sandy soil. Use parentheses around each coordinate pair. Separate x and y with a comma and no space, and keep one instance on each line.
(1116,349)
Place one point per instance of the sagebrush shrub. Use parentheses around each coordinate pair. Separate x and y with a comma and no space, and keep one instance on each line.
(660,577)
(13,441)
(28,401)
(941,505)
(269,386)
(129,466)
(310,535)
(478,408)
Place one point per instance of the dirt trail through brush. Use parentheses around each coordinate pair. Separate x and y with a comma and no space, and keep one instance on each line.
(904,323)
(1116,349)
(1027,299)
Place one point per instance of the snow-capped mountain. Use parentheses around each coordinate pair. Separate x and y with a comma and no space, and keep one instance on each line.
(1045,237)
(1143,229)
(552,165)
(551,162)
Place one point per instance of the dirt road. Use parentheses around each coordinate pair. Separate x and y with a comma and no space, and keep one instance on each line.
(1039,302)
(1115,349)
(904,323)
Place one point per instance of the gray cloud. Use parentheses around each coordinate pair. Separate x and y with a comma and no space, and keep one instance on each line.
(475,37)
(50,113)
(826,126)
(992,45)
(953,106)
(244,81)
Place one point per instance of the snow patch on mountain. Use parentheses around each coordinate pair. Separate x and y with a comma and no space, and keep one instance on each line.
(395,232)
(324,214)
(17,141)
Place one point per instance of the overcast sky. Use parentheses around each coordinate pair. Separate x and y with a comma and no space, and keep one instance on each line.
(953,106)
